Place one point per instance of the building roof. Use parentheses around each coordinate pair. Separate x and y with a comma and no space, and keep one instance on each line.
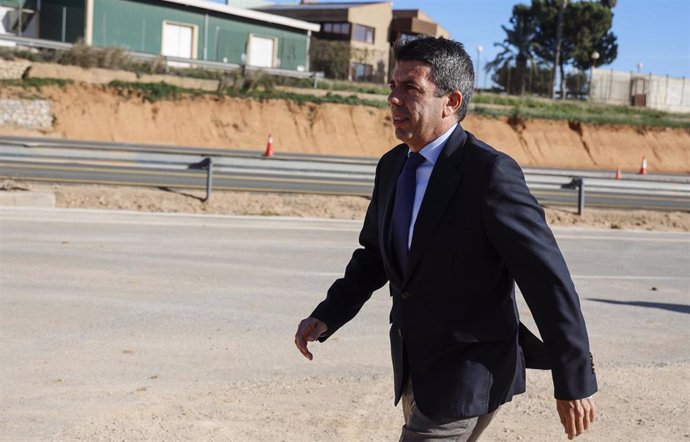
(321,6)
(248,13)
(417,13)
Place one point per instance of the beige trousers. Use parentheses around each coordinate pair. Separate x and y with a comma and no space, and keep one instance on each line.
(419,428)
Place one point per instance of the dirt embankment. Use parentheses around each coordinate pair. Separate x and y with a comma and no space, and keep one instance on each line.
(96,112)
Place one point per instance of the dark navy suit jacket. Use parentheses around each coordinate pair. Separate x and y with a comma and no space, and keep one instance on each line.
(454,322)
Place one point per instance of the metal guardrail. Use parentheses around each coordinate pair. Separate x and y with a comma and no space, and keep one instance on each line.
(208,161)
(49,44)
(546,176)
(167,149)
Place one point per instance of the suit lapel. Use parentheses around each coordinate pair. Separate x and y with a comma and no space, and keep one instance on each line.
(390,180)
(443,183)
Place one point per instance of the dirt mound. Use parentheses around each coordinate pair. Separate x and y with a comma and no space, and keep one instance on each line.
(98,113)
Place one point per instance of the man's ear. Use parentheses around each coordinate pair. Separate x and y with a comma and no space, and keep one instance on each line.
(454,100)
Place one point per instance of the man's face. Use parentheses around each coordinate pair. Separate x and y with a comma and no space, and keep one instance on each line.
(418,115)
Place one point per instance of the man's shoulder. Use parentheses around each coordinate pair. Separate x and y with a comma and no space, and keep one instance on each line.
(474,147)
(483,152)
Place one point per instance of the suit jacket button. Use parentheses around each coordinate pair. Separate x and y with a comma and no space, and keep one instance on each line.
(405,295)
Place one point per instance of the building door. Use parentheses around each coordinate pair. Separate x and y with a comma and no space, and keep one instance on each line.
(261,51)
(638,92)
(178,40)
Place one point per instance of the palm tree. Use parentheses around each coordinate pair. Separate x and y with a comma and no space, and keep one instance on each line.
(518,46)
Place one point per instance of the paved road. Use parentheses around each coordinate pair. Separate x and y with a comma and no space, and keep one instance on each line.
(100,309)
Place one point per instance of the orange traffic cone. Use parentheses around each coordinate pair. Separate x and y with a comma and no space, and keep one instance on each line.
(619,174)
(269,147)
(643,166)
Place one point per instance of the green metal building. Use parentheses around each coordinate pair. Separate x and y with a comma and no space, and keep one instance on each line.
(194,29)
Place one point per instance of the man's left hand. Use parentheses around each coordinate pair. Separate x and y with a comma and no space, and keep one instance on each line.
(576,415)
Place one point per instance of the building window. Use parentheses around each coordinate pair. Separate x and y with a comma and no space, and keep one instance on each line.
(261,51)
(363,33)
(336,28)
(406,37)
(178,40)
(362,72)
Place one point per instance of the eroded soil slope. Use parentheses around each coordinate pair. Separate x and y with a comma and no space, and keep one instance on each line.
(96,112)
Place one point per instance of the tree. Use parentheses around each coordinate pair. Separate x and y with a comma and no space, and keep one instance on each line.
(552,35)
(594,22)
(585,28)
(330,57)
(538,79)
(539,36)
(577,84)
(517,47)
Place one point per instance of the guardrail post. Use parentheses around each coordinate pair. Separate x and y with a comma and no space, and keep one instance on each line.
(580,195)
(209,178)
(315,82)
(207,165)
(579,183)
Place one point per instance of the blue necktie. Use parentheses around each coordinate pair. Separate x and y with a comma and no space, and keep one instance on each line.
(402,209)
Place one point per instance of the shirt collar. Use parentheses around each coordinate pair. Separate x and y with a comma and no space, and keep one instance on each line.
(431,151)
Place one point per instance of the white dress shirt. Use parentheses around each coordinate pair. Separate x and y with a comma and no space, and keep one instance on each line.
(430,152)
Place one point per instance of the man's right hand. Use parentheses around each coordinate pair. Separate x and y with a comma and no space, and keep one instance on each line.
(576,415)
(309,330)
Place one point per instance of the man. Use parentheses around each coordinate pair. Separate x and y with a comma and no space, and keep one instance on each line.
(451,225)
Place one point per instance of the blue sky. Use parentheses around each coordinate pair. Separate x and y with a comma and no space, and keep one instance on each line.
(655,33)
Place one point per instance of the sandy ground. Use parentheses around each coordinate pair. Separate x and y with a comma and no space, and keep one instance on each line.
(130,326)
(310,206)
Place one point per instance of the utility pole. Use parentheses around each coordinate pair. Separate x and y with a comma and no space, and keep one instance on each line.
(557,55)
(595,56)
(479,66)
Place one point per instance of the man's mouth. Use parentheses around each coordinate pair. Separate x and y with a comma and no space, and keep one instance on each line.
(398,120)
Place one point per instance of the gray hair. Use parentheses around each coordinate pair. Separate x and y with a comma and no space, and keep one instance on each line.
(451,66)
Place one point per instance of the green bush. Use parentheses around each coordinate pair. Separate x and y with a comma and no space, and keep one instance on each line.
(36,83)
(7,53)
(573,110)
(305,98)
(200,73)
(365,88)
(88,57)
(152,92)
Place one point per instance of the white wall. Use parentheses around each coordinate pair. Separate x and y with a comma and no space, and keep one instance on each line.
(663,93)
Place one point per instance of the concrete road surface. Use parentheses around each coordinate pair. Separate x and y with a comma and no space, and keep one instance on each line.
(129,326)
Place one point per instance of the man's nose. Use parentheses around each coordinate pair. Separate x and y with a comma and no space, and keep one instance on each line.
(393,99)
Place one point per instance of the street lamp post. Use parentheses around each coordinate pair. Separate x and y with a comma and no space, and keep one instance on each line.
(476,75)
(595,57)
